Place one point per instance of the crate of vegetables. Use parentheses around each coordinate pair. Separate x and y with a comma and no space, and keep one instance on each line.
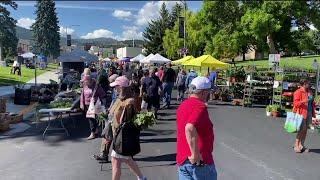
(61,103)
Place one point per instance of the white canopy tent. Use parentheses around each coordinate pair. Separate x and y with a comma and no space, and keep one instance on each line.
(78,55)
(157,58)
(28,55)
(137,58)
(145,60)
(106,59)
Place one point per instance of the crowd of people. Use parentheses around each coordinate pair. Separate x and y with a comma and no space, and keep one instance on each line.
(126,89)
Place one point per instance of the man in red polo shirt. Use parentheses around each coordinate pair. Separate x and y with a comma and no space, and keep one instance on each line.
(195,134)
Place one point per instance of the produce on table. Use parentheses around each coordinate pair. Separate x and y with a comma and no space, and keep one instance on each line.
(61,103)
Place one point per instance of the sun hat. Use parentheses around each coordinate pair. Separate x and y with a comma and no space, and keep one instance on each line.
(201,83)
(113,77)
(121,81)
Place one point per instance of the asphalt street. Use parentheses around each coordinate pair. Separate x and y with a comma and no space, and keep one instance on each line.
(248,145)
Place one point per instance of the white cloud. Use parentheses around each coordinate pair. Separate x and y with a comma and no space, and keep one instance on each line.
(131,32)
(63,31)
(25,22)
(151,11)
(120,14)
(100,33)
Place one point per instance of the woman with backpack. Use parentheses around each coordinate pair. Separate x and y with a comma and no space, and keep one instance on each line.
(125,136)
(180,83)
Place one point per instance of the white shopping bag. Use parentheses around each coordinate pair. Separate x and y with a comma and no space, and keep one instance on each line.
(144,105)
(99,108)
(91,109)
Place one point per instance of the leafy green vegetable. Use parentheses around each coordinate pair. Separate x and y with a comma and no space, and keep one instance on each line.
(61,103)
(145,119)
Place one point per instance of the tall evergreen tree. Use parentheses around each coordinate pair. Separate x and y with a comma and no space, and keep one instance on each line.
(8,38)
(175,13)
(46,29)
(154,33)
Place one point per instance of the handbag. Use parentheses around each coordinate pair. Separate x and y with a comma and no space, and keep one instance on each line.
(91,109)
(99,108)
(293,122)
(126,141)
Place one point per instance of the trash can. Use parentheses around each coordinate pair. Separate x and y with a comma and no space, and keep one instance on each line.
(22,96)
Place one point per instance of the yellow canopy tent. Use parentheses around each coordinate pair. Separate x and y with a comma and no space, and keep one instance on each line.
(207,61)
(182,60)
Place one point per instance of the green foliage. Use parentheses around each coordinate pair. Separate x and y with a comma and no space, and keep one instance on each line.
(145,119)
(8,38)
(46,29)
(269,108)
(61,103)
(275,108)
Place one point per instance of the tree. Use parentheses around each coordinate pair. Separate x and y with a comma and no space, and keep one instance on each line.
(154,33)
(175,14)
(46,29)
(194,39)
(8,38)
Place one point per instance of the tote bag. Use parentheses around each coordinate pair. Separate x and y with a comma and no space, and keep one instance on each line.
(293,122)
(127,138)
(91,109)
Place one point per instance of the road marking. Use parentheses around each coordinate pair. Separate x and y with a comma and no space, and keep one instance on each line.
(255,162)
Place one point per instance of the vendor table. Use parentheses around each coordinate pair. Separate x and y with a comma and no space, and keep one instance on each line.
(58,112)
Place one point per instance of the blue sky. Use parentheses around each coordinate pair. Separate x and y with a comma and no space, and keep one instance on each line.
(93,19)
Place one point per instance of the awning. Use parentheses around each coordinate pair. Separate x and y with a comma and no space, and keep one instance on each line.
(157,58)
(28,55)
(78,55)
(137,58)
(182,60)
(207,61)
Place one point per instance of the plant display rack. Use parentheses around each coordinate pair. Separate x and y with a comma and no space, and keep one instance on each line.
(289,80)
(258,89)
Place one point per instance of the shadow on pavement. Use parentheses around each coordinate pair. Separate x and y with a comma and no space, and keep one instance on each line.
(165,157)
(161,140)
(314,151)
(53,138)
(167,119)
(159,165)
(160,131)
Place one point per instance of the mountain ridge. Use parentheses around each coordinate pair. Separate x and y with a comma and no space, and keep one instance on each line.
(23,33)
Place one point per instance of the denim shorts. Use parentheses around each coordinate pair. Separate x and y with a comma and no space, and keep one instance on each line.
(188,171)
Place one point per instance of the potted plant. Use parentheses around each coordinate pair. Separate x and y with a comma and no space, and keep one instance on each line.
(268,110)
(275,110)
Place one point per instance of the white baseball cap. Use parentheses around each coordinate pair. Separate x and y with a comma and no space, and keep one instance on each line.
(201,83)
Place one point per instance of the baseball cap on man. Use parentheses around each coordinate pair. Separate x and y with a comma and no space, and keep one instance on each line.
(201,83)
(121,81)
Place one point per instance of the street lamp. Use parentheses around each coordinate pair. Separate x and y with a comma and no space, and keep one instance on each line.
(184,26)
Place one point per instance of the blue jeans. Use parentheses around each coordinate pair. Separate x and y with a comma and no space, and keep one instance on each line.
(167,90)
(187,171)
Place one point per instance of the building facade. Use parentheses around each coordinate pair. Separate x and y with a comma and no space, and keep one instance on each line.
(128,52)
